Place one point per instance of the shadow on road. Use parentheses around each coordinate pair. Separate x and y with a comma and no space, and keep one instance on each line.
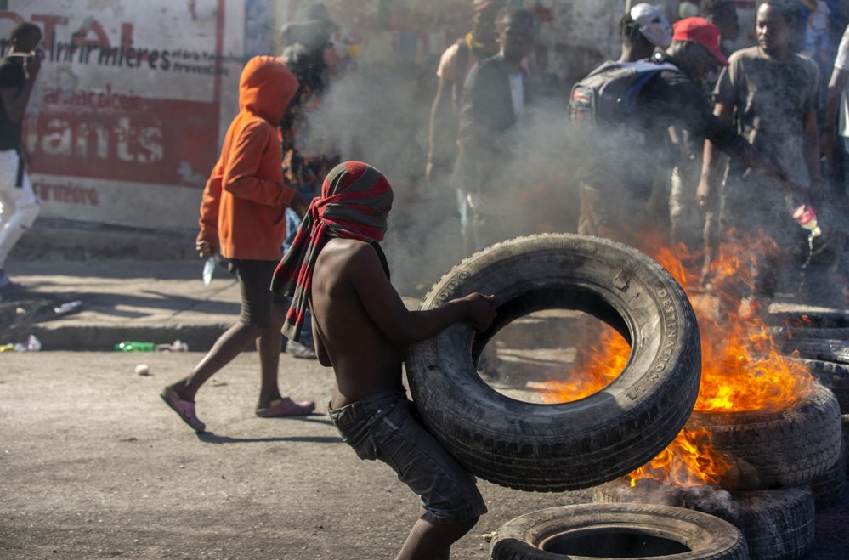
(209,437)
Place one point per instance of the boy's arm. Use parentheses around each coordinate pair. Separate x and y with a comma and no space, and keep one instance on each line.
(247,154)
(399,325)
(320,350)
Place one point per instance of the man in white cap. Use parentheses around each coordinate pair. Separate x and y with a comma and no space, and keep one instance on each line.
(643,29)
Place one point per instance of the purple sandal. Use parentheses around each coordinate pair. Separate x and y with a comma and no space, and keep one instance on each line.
(184,409)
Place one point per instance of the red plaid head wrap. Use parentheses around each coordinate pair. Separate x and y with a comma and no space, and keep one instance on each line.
(354,204)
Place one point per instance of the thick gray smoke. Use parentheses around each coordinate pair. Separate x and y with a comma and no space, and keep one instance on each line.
(382,116)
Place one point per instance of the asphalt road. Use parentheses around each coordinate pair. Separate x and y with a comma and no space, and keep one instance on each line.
(93,465)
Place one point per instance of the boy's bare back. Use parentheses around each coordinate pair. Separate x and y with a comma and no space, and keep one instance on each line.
(361,325)
(351,295)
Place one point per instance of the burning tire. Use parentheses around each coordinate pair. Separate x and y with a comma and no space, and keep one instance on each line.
(777,524)
(836,351)
(572,445)
(777,449)
(618,531)
(833,376)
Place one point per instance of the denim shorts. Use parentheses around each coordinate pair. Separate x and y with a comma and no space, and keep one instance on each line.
(384,426)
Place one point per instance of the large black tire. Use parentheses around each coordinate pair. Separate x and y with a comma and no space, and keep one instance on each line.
(829,486)
(578,444)
(807,317)
(787,333)
(828,350)
(844,425)
(834,377)
(603,531)
(777,524)
(777,449)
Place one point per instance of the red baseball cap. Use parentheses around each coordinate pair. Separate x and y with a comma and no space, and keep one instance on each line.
(701,31)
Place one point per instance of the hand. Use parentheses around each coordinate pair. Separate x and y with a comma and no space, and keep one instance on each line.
(300,205)
(480,311)
(205,249)
(702,193)
(33,64)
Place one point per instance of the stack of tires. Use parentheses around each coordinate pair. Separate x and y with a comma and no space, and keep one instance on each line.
(820,339)
(788,463)
(576,445)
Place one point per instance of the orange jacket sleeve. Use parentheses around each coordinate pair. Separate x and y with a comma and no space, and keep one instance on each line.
(209,206)
(249,152)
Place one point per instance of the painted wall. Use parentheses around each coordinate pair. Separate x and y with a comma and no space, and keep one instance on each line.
(135,96)
(131,102)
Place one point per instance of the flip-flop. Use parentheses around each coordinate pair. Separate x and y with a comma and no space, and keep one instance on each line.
(184,409)
(286,407)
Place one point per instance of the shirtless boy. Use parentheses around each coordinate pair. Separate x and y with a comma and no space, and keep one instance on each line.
(362,329)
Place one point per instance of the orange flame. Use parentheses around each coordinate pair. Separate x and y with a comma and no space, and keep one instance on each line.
(742,369)
(689,460)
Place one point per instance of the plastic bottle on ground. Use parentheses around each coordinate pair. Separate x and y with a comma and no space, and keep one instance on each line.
(33,344)
(176,346)
(132,346)
(68,308)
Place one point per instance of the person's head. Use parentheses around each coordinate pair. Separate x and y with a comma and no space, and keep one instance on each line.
(266,87)
(695,46)
(312,27)
(25,37)
(774,22)
(359,195)
(515,29)
(723,13)
(688,10)
(643,29)
(483,20)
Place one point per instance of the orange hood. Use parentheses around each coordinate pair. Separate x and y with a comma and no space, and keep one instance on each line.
(266,88)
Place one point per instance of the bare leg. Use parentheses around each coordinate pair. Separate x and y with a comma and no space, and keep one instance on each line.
(228,346)
(268,348)
(430,541)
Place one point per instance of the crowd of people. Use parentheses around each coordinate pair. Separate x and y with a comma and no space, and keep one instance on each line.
(681,140)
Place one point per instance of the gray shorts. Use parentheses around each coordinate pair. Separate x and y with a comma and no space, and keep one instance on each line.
(384,426)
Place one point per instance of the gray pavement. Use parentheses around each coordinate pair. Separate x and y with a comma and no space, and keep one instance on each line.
(136,300)
(141,300)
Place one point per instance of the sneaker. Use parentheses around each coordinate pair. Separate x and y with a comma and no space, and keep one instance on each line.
(300,351)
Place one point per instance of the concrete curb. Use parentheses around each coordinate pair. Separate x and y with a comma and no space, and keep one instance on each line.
(101,337)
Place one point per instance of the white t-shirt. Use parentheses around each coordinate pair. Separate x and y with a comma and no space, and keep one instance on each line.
(517,89)
(842,63)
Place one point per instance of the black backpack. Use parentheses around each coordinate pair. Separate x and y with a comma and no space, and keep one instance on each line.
(608,95)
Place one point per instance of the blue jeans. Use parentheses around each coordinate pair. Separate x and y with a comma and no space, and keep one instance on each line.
(293,222)
(384,426)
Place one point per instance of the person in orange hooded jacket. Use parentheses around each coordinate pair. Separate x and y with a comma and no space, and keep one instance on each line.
(242,218)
